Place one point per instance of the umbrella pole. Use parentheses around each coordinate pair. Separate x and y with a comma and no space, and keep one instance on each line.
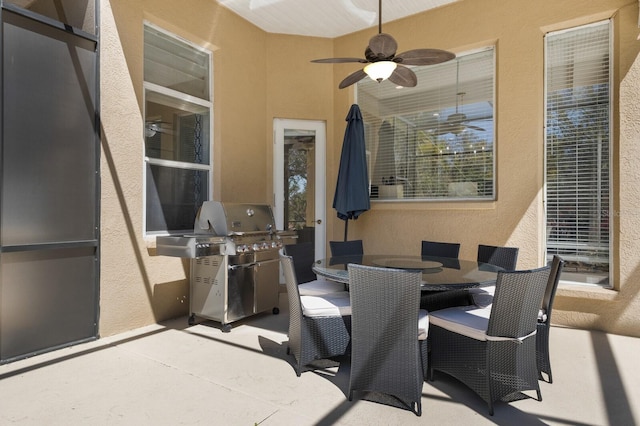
(346,227)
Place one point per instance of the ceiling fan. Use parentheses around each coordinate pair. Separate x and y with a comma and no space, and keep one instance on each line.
(456,123)
(153,127)
(383,63)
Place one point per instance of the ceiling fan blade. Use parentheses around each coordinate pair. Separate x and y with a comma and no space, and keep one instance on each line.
(424,57)
(381,47)
(352,78)
(339,60)
(442,129)
(403,76)
(456,130)
(479,129)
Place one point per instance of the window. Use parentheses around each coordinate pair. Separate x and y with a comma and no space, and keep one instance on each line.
(177,131)
(578,138)
(434,141)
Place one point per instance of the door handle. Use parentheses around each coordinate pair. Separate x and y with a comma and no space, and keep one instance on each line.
(319,221)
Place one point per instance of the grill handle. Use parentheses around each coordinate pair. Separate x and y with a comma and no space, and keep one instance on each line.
(242,265)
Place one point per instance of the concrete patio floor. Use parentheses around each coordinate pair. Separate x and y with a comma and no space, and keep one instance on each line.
(173,374)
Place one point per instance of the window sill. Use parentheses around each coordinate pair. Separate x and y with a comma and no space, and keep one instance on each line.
(417,204)
(591,292)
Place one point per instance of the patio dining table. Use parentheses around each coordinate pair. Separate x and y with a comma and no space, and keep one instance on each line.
(438,273)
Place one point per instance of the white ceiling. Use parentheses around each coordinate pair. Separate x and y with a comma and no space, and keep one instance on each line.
(325,18)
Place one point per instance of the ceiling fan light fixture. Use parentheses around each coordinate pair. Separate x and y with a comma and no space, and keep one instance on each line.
(381,70)
(385,64)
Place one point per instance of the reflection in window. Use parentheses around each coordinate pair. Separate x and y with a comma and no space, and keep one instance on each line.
(434,141)
(170,197)
(174,131)
(177,132)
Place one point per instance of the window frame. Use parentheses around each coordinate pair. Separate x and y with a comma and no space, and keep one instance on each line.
(207,165)
(569,277)
(447,105)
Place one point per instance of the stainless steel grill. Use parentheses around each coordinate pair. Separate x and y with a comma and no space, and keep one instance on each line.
(234,261)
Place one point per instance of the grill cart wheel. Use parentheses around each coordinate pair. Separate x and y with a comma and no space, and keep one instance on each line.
(276,311)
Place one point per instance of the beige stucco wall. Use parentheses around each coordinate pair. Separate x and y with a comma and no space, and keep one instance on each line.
(137,287)
(517,28)
(260,76)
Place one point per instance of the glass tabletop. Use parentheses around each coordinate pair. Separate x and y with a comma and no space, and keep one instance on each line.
(438,273)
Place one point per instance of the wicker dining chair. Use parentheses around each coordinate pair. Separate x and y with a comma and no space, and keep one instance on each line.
(504,257)
(443,299)
(544,320)
(439,249)
(319,326)
(303,255)
(492,350)
(435,300)
(308,283)
(388,335)
(346,248)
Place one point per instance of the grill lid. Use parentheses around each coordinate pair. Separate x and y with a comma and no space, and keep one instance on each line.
(222,218)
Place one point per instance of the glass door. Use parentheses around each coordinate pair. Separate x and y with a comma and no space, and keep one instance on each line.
(299,180)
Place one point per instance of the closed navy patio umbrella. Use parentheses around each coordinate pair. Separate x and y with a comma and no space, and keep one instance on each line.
(352,188)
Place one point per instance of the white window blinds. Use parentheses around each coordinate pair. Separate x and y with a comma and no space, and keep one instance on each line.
(435,140)
(577,149)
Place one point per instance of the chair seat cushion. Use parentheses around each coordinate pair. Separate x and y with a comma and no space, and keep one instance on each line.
(326,305)
(423,324)
(319,287)
(482,296)
(469,321)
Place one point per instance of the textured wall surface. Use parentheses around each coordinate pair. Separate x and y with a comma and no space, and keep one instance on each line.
(259,77)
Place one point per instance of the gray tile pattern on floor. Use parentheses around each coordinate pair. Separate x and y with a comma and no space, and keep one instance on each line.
(170,374)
